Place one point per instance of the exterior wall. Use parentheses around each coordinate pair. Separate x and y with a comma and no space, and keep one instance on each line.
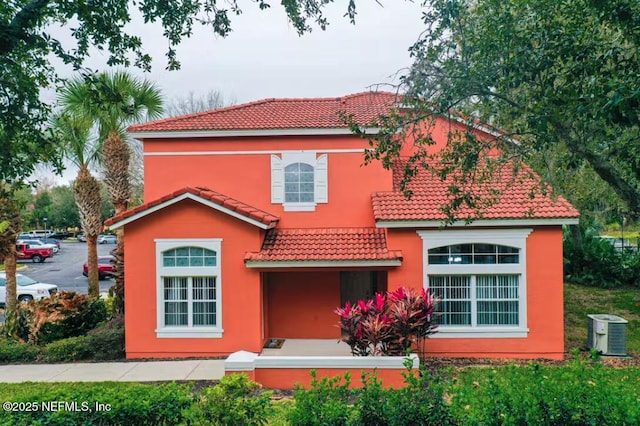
(223,173)
(284,372)
(288,378)
(544,299)
(301,305)
(241,292)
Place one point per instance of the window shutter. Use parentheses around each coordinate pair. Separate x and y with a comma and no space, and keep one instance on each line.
(277,180)
(321,187)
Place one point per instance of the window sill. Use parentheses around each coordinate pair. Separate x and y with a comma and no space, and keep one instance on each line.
(299,207)
(480,333)
(189,333)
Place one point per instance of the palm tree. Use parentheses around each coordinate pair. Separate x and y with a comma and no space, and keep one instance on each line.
(114,100)
(74,132)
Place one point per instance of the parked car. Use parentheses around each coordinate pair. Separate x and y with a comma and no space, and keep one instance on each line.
(36,243)
(27,288)
(40,233)
(105,267)
(25,251)
(51,241)
(106,239)
(81,238)
(60,235)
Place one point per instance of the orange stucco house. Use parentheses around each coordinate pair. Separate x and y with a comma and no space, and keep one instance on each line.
(260,219)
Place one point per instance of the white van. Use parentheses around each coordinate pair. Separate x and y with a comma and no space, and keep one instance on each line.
(41,233)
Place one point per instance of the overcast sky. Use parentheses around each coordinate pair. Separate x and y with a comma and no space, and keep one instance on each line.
(263,57)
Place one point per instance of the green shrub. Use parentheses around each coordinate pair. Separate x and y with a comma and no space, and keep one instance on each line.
(107,341)
(127,403)
(65,314)
(79,313)
(420,402)
(575,394)
(104,343)
(327,402)
(14,351)
(232,402)
(70,349)
(595,262)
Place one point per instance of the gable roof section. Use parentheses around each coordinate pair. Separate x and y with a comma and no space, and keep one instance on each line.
(324,247)
(205,196)
(521,202)
(273,114)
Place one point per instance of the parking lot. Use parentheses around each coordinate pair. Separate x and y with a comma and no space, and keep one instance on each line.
(64,269)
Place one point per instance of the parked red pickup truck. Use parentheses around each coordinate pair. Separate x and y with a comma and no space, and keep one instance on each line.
(38,255)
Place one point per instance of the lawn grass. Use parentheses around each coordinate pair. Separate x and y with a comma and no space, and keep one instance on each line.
(579,301)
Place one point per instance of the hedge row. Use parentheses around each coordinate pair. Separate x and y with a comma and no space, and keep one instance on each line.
(105,403)
(578,393)
(101,344)
(574,394)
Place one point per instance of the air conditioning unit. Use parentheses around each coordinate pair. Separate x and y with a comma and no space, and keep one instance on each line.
(607,334)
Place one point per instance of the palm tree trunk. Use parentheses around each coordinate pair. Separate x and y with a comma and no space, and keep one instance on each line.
(92,262)
(116,155)
(86,191)
(11,299)
(118,254)
(11,224)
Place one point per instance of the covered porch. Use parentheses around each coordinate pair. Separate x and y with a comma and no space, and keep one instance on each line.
(307,273)
(307,347)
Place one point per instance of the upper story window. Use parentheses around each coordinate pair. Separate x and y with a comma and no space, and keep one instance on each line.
(299,180)
(298,183)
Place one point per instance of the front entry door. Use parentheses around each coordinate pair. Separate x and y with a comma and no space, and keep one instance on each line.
(357,285)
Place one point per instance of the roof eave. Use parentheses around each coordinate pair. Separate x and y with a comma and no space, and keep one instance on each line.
(194,197)
(476,223)
(309,131)
(271,264)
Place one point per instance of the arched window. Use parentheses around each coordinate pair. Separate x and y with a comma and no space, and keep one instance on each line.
(189,256)
(189,290)
(299,180)
(473,254)
(299,183)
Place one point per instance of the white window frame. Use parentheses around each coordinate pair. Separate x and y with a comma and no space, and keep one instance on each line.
(516,237)
(320,168)
(162,245)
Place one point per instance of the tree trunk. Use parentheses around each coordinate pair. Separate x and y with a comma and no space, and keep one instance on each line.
(115,154)
(118,253)
(11,299)
(92,262)
(576,235)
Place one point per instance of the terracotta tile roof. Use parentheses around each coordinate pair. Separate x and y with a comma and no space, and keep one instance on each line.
(283,113)
(521,198)
(222,200)
(326,244)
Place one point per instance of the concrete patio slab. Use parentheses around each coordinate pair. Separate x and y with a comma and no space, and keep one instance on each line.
(301,347)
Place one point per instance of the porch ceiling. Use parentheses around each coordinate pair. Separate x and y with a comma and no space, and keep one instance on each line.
(324,247)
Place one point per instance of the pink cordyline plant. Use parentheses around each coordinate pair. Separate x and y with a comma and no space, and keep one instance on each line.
(389,324)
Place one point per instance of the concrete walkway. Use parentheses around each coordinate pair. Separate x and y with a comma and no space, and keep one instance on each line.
(134,371)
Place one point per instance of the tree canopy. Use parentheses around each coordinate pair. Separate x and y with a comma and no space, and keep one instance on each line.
(27,44)
(558,75)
